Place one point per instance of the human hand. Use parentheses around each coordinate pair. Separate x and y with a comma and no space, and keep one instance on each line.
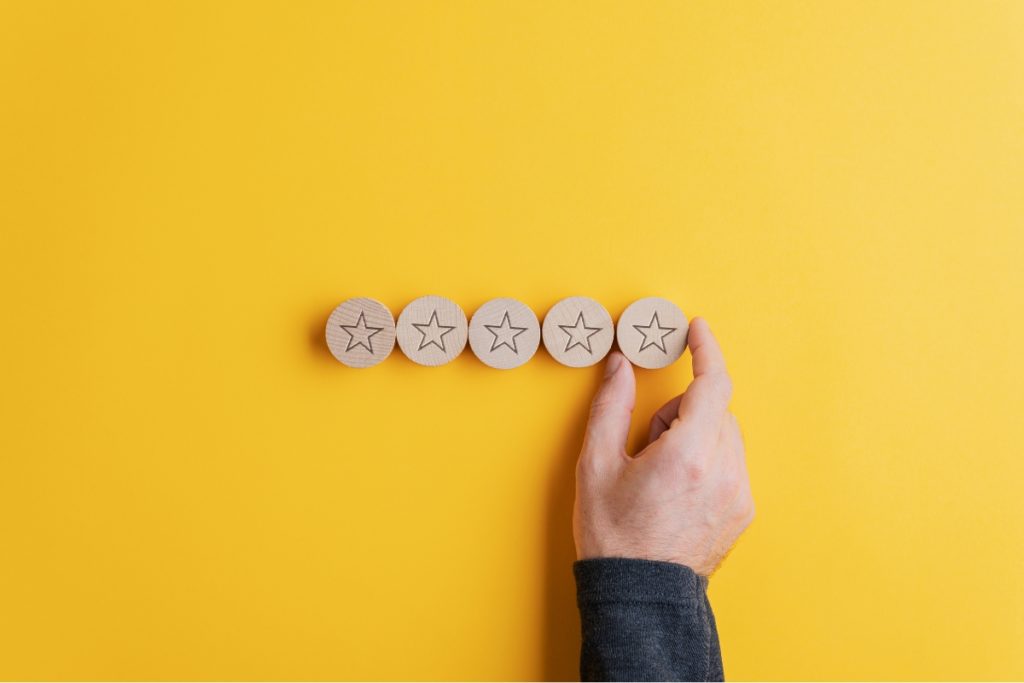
(685,498)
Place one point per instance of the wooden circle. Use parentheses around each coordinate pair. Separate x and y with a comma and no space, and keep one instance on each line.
(652,332)
(432,330)
(504,333)
(361,332)
(578,332)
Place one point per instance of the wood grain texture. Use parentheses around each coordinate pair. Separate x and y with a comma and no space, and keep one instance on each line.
(361,332)
(652,332)
(504,333)
(578,331)
(432,330)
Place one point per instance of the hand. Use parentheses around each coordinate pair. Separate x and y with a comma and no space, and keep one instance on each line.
(685,498)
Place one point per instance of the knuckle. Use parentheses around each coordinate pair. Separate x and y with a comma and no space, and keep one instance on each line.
(603,406)
(695,470)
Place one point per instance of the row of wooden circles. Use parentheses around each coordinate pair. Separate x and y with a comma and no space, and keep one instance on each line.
(505,333)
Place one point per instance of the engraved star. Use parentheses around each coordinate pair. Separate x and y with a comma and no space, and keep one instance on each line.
(360,334)
(506,332)
(654,334)
(579,334)
(433,332)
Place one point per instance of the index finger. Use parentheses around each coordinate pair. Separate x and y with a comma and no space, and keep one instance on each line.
(707,354)
(707,397)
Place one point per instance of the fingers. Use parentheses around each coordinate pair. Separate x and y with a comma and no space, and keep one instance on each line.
(612,409)
(707,398)
(707,354)
(662,420)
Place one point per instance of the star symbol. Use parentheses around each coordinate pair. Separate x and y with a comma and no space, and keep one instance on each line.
(506,332)
(360,334)
(433,332)
(654,334)
(579,334)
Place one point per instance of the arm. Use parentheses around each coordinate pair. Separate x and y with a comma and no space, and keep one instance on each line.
(650,529)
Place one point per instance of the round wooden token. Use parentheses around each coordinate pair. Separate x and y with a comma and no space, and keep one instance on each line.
(361,332)
(432,330)
(504,333)
(652,332)
(578,332)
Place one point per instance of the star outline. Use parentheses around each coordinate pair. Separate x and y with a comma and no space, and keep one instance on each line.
(506,323)
(646,342)
(572,341)
(432,322)
(360,323)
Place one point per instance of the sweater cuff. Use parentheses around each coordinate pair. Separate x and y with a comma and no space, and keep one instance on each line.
(620,579)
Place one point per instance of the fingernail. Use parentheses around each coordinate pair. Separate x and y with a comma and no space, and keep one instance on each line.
(614,361)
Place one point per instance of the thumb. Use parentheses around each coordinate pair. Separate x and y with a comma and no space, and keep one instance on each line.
(611,409)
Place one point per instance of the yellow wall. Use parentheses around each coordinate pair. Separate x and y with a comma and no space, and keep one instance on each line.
(190,486)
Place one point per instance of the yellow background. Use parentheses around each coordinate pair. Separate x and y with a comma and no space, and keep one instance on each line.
(190,486)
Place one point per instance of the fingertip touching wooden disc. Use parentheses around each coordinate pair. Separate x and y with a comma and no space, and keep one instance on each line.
(652,332)
(361,332)
(504,333)
(432,330)
(578,332)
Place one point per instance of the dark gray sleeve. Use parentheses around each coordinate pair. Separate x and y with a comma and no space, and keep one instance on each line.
(645,621)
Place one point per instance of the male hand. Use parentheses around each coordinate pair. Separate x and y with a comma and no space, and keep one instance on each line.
(685,498)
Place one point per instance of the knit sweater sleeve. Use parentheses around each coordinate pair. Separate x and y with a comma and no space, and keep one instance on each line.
(645,621)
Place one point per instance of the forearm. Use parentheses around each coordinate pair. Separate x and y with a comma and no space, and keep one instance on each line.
(645,620)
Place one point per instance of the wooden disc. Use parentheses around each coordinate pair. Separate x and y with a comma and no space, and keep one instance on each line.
(432,330)
(504,333)
(361,332)
(652,332)
(578,332)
